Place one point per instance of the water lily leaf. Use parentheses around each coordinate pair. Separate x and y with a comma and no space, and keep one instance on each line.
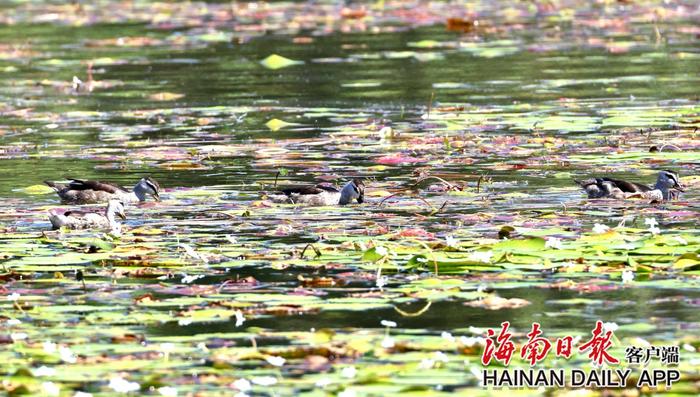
(275,61)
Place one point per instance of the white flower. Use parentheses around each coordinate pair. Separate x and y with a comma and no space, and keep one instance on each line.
(348,372)
(388,342)
(381,281)
(481,256)
(13,297)
(51,389)
(680,240)
(448,336)
(240,318)
(553,242)
(387,323)
(44,371)
(627,276)
(612,327)
(600,228)
(426,363)
(688,347)
(264,380)
(242,384)
(13,321)
(422,259)
(49,347)
(167,391)
(18,336)
(440,356)
(67,355)
(121,385)
(451,241)
(231,239)
(186,279)
(471,341)
(654,230)
(183,322)
(651,222)
(381,251)
(321,383)
(82,394)
(202,347)
(275,360)
(347,393)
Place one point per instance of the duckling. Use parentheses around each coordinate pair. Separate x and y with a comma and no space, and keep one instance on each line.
(666,188)
(80,191)
(321,195)
(89,220)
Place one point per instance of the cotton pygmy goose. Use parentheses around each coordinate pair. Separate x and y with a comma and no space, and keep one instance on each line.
(667,187)
(89,220)
(320,195)
(80,191)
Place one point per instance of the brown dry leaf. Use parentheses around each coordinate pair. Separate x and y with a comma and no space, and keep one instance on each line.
(494,302)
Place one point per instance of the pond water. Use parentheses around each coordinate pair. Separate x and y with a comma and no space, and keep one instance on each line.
(509,111)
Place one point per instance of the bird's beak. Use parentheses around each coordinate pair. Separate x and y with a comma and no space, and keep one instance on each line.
(361,199)
(156,196)
(679,187)
(122,215)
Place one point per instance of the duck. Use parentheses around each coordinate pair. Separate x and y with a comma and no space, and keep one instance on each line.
(667,187)
(80,191)
(322,194)
(89,220)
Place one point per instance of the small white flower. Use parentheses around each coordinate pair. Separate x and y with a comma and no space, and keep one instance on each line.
(348,372)
(18,336)
(422,259)
(264,380)
(481,256)
(448,336)
(275,360)
(426,363)
(183,322)
(381,281)
(231,239)
(13,297)
(388,323)
(82,394)
(471,341)
(599,228)
(553,242)
(388,342)
(51,389)
(44,371)
(321,383)
(186,279)
(451,241)
(680,240)
(651,222)
(242,384)
(49,347)
(440,356)
(202,347)
(240,318)
(612,327)
(654,230)
(67,355)
(688,347)
(167,391)
(347,393)
(121,385)
(381,251)
(627,276)
(13,321)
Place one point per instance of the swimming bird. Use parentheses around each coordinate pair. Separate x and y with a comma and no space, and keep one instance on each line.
(321,194)
(80,191)
(667,187)
(89,220)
